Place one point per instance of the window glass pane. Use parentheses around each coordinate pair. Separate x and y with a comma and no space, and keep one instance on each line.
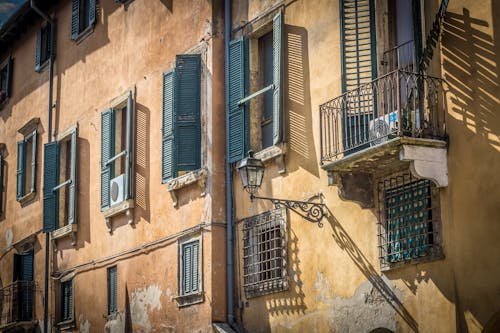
(64,174)
(28,169)
(266,69)
(120,139)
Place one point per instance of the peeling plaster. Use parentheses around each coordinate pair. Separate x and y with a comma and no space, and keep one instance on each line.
(142,302)
(116,323)
(84,324)
(9,235)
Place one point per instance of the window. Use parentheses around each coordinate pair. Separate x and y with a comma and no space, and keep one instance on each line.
(66,309)
(44,46)
(181,128)
(26,161)
(112,290)
(190,271)
(59,178)
(2,147)
(265,253)
(23,279)
(5,79)
(408,219)
(83,17)
(116,153)
(255,101)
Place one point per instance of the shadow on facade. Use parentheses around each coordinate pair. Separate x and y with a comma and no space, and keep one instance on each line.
(345,242)
(298,115)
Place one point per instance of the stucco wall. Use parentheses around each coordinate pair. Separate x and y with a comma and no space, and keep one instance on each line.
(130,49)
(335,278)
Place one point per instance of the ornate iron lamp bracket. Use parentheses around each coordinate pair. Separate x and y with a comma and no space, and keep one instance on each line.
(311,211)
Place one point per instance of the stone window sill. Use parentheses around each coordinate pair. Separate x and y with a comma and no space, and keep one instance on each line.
(176,184)
(68,230)
(126,207)
(66,325)
(190,299)
(435,253)
(26,198)
(274,153)
(84,34)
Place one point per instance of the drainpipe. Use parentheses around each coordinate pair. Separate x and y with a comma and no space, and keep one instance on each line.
(51,86)
(229,179)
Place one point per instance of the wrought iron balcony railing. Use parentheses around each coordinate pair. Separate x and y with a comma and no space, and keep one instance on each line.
(17,303)
(399,103)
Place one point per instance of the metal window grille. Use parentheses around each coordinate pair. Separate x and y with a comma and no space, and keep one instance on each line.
(265,253)
(408,218)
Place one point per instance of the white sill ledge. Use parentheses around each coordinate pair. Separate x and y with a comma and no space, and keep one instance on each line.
(126,207)
(274,153)
(176,184)
(68,230)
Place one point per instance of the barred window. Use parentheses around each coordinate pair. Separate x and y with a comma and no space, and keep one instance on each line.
(265,253)
(408,219)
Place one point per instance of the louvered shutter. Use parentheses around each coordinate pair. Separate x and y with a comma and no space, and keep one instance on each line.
(195,267)
(358,67)
(27,266)
(237,114)
(187,112)
(92,12)
(112,290)
(186,264)
(21,168)
(107,151)
(168,169)
(73,185)
(75,19)
(277,77)
(128,147)
(33,161)
(50,180)
(38,51)
(10,70)
(67,300)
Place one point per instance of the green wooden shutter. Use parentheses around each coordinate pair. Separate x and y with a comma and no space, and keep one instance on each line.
(33,161)
(75,19)
(186,268)
(237,113)
(195,267)
(10,70)
(73,185)
(27,266)
(67,300)
(107,151)
(50,180)
(21,168)
(168,170)
(92,12)
(128,147)
(359,66)
(38,52)
(112,290)
(187,116)
(277,77)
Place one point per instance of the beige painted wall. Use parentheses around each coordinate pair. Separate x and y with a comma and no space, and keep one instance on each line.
(130,48)
(335,277)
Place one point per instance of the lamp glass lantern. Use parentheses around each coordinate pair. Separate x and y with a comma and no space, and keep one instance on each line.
(251,171)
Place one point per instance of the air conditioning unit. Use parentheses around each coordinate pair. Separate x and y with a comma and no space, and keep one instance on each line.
(117,189)
(381,127)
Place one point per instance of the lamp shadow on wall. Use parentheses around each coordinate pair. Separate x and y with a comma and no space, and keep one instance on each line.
(345,242)
(298,116)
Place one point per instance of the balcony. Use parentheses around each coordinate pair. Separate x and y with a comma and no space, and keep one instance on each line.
(17,305)
(395,121)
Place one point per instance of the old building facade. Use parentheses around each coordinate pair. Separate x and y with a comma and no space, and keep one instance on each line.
(126,125)
(126,172)
(396,100)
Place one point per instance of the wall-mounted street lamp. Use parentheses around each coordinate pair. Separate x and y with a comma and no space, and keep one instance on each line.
(251,172)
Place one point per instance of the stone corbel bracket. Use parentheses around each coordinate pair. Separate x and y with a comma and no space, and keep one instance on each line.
(176,184)
(68,230)
(427,162)
(274,153)
(126,207)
